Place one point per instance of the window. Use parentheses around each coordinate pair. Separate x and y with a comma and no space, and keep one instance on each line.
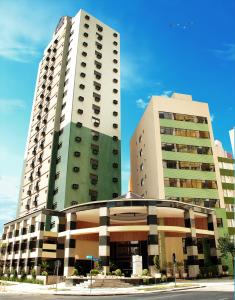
(78,124)
(62,118)
(93,194)
(115,165)
(93,178)
(82,75)
(83,64)
(87,17)
(98,54)
(73,203)
(84,53)
(141,152)
(97,75)
(115,61)
(78,139)
(85,34)
(115,138)
(96,97)
(61,131)
(115,34)
(115,91)
(115,102)
(98,45)
(82,86)
(115,43)
(94,163)
(86,25)
(95,149)
(80,98)
(115,151)
(115,113)
(99,28)
(141,167)
(95,135)
(98,64)
(55,191)
(57,175)
(77,154)
(76,169)
(96,109)
(97,85)
(85,44)
(115,179)
(115,52)
(142,182)
(75,186)
(115,80)
(219,222)
(95,121)
(115,125)
(99,36)
(165,115)
(115,195)
(115,70)
(63,105)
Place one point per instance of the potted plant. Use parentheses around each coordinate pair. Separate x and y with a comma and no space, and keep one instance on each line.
(156,262)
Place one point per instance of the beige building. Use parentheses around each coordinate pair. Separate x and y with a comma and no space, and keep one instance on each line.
(73,149)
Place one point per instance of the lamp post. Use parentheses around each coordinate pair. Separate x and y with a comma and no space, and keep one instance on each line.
(91,258)
(174,264)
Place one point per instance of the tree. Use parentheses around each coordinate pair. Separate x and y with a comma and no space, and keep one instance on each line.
(44,265)
(156,262)
(226,247)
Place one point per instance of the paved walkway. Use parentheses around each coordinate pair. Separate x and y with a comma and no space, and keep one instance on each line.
(28,288)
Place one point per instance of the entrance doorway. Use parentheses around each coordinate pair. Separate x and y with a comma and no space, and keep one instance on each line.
(121,255)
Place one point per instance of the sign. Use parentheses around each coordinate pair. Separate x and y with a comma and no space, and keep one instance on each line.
(89,257)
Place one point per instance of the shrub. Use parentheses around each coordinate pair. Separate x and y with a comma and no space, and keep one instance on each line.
(94,272)
(163,278)
(14,272)
(33,273)
(44,273)
(225,268)
(75,272)
(118,272)
(145,272)
(145,280)
(23,275)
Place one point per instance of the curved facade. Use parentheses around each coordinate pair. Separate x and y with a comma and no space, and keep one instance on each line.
(113,231)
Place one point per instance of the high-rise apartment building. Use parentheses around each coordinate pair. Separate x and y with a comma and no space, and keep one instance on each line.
(227,176)
(174,157)
(73,149)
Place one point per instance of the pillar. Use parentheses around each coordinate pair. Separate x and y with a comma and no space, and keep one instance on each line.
(191,245)
(39,244)
(153,248)
(104,239)
(70,245)
(214,252)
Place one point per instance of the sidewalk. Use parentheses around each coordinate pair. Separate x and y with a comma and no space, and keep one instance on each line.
(28,288)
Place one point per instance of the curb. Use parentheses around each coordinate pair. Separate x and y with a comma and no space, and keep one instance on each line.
(132,293)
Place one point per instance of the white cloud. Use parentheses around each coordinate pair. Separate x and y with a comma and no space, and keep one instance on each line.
(227,53)
(141,103)
(212,117)
(7,105)
(24,28)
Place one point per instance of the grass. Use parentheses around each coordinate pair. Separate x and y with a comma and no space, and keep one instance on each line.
(165,286)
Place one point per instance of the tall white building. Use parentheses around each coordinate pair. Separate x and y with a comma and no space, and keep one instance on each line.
(73,149)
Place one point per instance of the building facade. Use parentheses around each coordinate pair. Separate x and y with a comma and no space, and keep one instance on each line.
(73,149)
(173,157)
(113,231)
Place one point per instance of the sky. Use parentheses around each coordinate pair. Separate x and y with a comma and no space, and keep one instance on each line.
(184,46)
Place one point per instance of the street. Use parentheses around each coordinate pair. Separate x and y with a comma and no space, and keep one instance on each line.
(202,294)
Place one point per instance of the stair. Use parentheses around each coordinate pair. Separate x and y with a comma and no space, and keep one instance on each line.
(109,283)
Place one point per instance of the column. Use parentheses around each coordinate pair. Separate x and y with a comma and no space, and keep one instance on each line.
(153,249)
(40,225)
(191,245)
(70,245)
(214,252)
(104,239)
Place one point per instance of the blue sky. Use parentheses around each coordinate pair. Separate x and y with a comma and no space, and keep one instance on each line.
(187,46)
